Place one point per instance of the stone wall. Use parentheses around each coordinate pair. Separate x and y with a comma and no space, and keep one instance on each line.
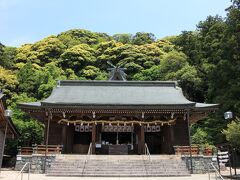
(37,162)
(201,164)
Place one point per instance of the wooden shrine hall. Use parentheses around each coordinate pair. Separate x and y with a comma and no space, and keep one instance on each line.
(117,116)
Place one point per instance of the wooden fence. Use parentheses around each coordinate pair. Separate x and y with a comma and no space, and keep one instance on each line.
(40,149)
(195,150)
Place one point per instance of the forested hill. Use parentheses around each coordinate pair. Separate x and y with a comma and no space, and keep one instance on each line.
(206,62)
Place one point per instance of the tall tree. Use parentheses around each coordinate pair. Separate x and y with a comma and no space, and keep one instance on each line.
(8,82)
(141,38)
(7,58)
(123,38)
(77,57)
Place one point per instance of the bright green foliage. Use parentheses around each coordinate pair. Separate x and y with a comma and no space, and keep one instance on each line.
(141,38)
(200,137)
(49,49)
(80,36)
(107,51)
(151,74)
(46,79)
(28,80)
(25,53)
(232,133)
(8,82)
(7,57)
(70,75)
(91,72)
(78,57)
(123,38)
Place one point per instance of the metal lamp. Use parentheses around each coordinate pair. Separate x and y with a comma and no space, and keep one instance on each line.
(228,115)
(8,113)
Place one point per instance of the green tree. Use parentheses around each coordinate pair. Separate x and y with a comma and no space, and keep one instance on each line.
(232,133)
(123,38)
(91,72)
(46,79)
(7,57)
(31,130)
(200,137)
(78,57)
(25,54)
(28,80)
(80,36)
(1,49)
(141,38)
(8,82)
(48,49)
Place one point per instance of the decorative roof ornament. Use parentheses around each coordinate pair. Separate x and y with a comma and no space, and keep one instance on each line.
(117,73)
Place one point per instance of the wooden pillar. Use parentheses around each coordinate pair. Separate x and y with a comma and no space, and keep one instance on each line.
(70,136)
(166,140)
(93,138)
(64,138)
(49,118)
(171,139)
(141,140)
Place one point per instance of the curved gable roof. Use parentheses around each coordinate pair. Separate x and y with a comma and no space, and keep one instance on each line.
(117,93)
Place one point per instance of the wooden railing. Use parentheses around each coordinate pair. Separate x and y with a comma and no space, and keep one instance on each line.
(195,150)
(25,150)
(179,150)
(40,149)
(51,149)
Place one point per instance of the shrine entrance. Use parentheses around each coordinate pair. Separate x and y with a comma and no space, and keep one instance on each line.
(108,139)
(118,139)
(153,139)
(154,142)
(115,139)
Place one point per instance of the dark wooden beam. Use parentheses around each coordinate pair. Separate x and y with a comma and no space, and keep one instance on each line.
(93,138)
(142,140)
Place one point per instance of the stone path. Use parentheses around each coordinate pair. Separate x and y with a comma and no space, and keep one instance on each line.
(11,175)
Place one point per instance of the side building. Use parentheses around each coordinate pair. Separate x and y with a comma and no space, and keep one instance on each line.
(7,128)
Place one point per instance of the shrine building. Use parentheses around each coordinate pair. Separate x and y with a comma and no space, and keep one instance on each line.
(117,116)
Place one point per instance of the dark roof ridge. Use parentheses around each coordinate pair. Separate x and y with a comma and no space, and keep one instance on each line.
(115,83)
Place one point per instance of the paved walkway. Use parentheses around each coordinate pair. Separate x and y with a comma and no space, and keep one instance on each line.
(11,175)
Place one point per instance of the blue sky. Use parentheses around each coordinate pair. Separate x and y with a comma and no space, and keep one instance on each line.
(27,21)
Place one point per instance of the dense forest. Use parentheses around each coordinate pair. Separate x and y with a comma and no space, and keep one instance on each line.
(205,62)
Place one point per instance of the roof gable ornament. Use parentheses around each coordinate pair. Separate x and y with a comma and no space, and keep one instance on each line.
(117,73)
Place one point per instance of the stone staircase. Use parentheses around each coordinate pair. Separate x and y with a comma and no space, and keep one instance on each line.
(118,166)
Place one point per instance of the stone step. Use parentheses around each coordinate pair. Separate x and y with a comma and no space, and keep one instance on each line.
(117,166)
(118,175)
